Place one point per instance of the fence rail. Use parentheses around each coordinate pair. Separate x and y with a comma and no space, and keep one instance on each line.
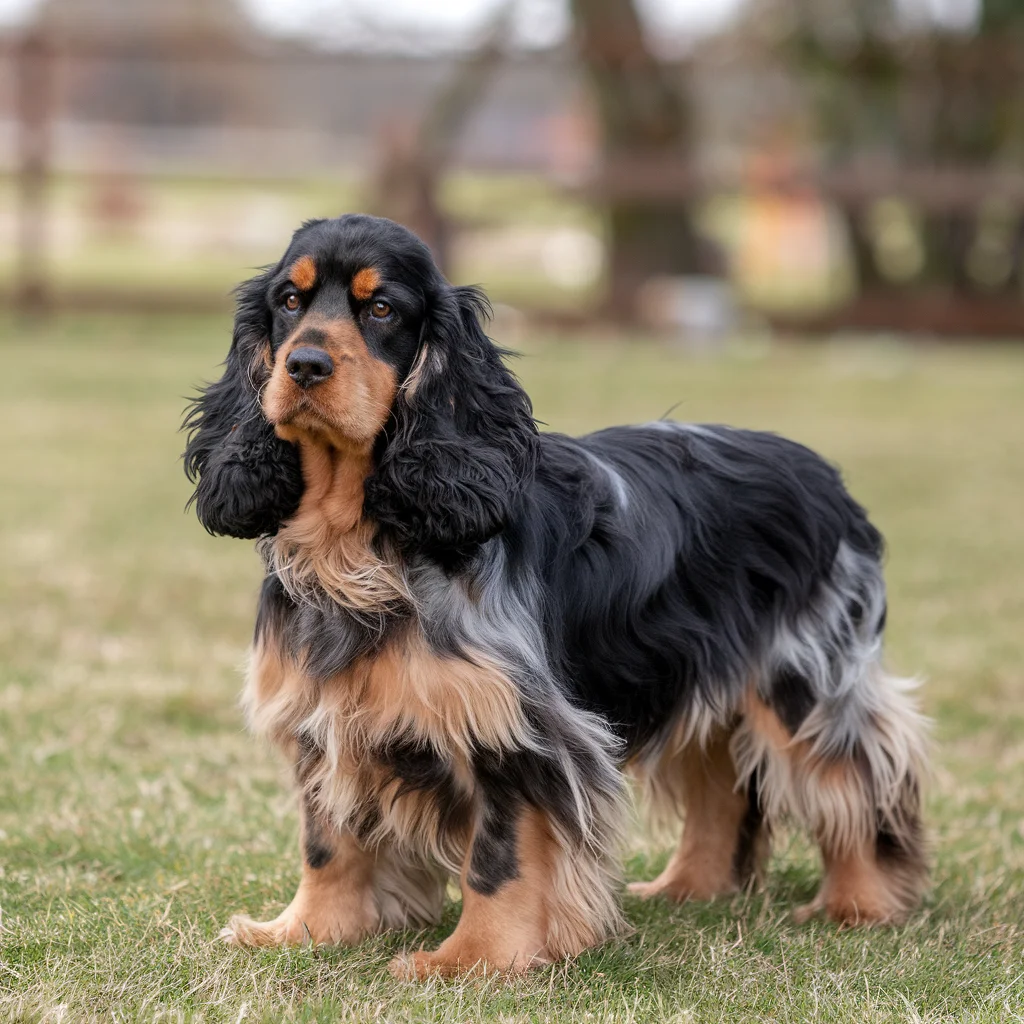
(38,94)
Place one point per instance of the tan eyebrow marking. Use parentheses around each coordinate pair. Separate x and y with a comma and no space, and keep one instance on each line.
(303,273)
(365,283)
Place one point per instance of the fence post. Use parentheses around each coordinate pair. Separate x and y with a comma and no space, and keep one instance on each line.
(32,291)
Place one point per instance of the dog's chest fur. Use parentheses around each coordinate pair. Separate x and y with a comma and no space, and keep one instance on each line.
(381,725)
(382,728)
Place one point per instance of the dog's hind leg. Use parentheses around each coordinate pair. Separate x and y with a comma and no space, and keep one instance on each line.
(861,799)
(725,839)
(839,745)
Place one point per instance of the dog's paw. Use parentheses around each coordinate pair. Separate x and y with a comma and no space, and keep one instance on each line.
(848,913)
(286,930)
(680,888)
(423,965)
(644,890)
(412,966)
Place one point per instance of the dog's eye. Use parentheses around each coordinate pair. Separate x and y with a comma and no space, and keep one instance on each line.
(380,309)
(292,302)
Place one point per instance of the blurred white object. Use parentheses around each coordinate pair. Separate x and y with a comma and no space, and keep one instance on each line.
(572,258)
(702,310)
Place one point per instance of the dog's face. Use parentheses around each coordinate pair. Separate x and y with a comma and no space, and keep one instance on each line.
(347,308)
(355,340)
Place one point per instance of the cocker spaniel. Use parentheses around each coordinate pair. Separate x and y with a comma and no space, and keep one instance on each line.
(470,630)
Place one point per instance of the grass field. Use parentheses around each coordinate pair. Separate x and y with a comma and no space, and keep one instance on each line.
(136,816)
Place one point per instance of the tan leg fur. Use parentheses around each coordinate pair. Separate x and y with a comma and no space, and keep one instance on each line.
(503,932)
(703,865)
(335,903)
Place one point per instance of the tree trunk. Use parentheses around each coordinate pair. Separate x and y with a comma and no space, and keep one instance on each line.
(643,117)
(413,158)
(862,249)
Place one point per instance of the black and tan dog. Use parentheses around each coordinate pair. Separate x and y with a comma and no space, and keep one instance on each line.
(469,629)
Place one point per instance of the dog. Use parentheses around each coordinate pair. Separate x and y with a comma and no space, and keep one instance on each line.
(470,633)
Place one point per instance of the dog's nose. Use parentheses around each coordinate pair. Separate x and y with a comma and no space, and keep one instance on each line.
(308,366)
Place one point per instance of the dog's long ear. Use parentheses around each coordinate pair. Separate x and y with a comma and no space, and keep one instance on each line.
(247,479)
(462,445)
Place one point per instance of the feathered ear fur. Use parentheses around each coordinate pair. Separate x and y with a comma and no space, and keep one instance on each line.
(462,444)
(249,480)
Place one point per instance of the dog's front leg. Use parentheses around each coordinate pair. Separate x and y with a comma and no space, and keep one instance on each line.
(335,902)
(506,882)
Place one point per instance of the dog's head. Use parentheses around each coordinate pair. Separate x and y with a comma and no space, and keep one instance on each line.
(355,340)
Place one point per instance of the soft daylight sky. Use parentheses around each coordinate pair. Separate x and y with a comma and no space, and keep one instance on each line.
(537,22)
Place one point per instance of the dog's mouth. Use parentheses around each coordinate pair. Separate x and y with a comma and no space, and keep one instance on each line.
(315,415)
(295,408)
(299,412)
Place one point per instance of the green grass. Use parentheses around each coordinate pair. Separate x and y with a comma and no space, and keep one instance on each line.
(136,816)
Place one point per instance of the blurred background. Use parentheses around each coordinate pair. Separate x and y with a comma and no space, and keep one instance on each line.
(687,166)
